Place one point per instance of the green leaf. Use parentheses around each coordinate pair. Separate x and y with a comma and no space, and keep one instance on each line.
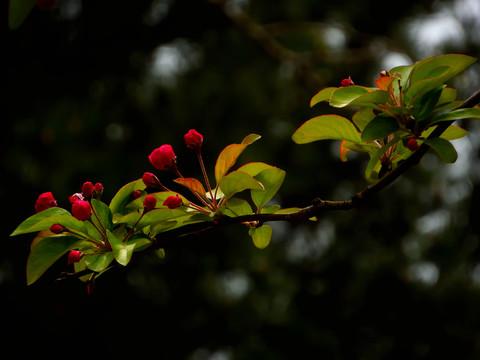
(261,236)
(160,196)
(417,89)
(121,251)
(46,252)
(443,148)
(30,224)
(326,127)
(322,95)
(237,207)
(379,127)
(345,95)
(230,154)
(426,68)
(123,196)
(151,217)
(98,262)
(271,179)
(362,117)
(18,12)
(238,181)
(425,104)
(457,115)
(375,159)
(253,168)
(451,133)
(371,99)
(104,214)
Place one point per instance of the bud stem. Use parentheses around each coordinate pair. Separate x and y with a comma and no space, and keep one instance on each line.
(200,160)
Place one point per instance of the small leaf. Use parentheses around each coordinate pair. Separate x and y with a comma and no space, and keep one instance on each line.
(99,262)
(238,181)
(443,148)
(121,251)
(379,127)
(193,185)
(261,236)
(46,252)
(322,95)
(326,127)
(238,207)
(104,214)
(271,179)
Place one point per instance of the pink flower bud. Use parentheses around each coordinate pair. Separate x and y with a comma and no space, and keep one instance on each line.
(74,256)
(57,228)
(87,189)
(45,201)
(163,158)
(412,145)
(173,202)
(81,210)
(347,82)
(193,140)
(150,202)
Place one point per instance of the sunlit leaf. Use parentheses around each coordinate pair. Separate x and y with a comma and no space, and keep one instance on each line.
(121,250)
(230,154)
(456,62)
(238,207)
(326,127)
(453,132)
(192,184)
(371,99)
(237,181)
(261,236)
(345,95)
(322,95)
(99,262)
(123,196)
(272,180)
(31,224)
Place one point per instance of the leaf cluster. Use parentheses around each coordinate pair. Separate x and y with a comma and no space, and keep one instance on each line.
(407,103)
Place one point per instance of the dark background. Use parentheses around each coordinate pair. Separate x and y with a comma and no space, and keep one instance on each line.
(90,88)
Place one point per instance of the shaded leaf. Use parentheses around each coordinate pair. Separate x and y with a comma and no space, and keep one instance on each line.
(345,95)
(193,185)
(444,149)
(271,179)
(30,224)
(18,12)
(123,196)
(379,127)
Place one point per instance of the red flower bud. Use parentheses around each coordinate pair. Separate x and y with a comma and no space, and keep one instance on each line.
(75,197)
(136,194)
(173,202)
(150,202)
(45,201)
(57,228)
(74,256)
(98,188)
(163,158)
(81,210)
(347,82)
(193,140)
(87,189)
(150,180)
(412,145)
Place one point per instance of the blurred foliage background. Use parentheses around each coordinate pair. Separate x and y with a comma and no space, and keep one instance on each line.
(90,88)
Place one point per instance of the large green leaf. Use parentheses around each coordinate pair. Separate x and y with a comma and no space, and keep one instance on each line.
(32,223)
(379,127)
(237,181)
(261,236)
(457,115)
(345,95)
(326,127)
(371,99)
(271,179)
(230,154)
(426,67)
(123,196)
(151,217)
(46,252)
(237,207)
(443,148)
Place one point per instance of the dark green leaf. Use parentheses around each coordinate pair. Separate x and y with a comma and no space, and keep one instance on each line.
(379,128)
(443,148)
(18,12)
